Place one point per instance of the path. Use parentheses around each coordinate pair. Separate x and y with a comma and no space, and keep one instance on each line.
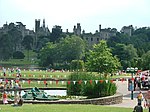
(127,102)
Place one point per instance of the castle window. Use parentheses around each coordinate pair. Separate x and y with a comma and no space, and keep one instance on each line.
(86,38)
(91,39)
(97,39)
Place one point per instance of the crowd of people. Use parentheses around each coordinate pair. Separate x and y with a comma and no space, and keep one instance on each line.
(12,87)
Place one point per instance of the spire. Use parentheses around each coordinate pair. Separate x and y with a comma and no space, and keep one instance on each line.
(43,23)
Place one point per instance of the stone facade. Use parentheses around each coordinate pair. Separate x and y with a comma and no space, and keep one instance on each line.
(127,30)
(20,28)
(41,30)
(91,39)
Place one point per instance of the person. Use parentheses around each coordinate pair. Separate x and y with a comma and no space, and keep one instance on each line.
(19,86)
(4,71)
(20,102)
(5,98)
(140,97)
(147,98)
(138,108)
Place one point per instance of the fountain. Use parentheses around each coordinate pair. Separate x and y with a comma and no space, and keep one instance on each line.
(36,94)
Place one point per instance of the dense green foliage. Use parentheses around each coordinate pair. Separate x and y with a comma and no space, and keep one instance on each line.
(18,55)
(84,84)
(77,65)
(146,60)
(62,53)
(6,48)
(101,60)
(130,49)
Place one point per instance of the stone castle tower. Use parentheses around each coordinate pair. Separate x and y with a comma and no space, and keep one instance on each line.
(37,25)
(77,30)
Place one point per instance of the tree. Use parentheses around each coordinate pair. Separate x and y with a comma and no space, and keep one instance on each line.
(71,48)
(5,47)
(146,61)
(16,38)
(18,55)
(62,53)
(28,43)
(126,54)
(101,60)
(77,65)
(47,55)
(42,40)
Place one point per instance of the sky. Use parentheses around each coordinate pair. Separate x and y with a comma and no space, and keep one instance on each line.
(67,13)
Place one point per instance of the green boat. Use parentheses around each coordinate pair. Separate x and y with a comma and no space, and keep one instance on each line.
(36,94)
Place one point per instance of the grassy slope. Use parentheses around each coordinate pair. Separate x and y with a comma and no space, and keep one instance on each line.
(62,108)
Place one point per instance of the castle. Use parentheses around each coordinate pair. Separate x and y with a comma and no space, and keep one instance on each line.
(101,34)
(42,30)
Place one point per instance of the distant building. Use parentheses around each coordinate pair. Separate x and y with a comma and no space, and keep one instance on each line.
(127,30)
(77,30)
(41,30)
(21,28)
(91,39)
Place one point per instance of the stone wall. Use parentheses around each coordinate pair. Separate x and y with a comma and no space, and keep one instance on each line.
(115,99)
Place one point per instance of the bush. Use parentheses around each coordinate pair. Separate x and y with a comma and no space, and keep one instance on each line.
(77,65)
(18,55)
(91,89)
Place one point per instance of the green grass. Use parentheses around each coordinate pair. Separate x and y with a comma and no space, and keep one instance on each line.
(37,74)
(21,62)
(63,108)
(42,75)
(16,62)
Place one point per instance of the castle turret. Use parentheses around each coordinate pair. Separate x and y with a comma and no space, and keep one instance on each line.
(43,23)
(78,29)
(37,25)
(74,30)
(100,28)
(67,31)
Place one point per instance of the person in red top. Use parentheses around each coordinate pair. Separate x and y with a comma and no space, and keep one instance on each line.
(5,98)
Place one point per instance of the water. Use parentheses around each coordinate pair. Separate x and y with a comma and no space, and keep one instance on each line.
(52,92)
(56,92)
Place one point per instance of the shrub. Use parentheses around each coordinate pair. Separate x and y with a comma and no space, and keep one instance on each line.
(77,65)
(18,55)
(91,88)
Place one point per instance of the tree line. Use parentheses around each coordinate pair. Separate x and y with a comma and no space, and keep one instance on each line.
(132,50)
(60,49)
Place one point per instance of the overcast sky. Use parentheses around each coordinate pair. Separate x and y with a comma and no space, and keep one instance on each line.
(67,13)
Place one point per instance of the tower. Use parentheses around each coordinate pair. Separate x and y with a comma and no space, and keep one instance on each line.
(37,25)
(74,30)
(43,23)
(100,28)
(78,29)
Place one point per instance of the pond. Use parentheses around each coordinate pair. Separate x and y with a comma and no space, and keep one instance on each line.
(56,92)
(52,92)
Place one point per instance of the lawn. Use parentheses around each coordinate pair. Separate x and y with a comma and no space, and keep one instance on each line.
(37,74)
(63,108)
(43,74)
